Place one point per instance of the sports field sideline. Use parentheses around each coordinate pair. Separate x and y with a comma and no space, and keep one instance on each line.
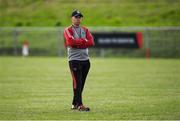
(117,88)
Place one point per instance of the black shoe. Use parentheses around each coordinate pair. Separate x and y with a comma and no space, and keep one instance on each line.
(74,107)
(83,108)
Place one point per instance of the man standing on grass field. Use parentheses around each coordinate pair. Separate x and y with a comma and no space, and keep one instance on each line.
(77,41)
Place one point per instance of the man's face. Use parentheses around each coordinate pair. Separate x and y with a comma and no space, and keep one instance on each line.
(76,20)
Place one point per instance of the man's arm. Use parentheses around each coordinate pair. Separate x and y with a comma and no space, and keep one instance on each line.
(89,40)
(71,41)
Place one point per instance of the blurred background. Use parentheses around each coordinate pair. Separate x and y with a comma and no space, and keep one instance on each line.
(40,24)
(121,85)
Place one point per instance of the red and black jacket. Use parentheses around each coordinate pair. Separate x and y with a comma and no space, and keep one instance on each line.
(80,43)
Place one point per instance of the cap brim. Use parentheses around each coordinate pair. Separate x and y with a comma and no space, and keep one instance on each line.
(79,14)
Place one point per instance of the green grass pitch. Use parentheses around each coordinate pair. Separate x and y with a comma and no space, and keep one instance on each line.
(40,88)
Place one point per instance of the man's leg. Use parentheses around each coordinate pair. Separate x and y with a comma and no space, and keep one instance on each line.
(85,69)
(76,72)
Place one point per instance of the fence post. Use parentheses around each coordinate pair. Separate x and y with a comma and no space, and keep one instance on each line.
(59,33)
(102,52)
(147,44)
(15,39)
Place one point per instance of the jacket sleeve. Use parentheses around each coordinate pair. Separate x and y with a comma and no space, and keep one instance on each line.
(71,41)
(89,41)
